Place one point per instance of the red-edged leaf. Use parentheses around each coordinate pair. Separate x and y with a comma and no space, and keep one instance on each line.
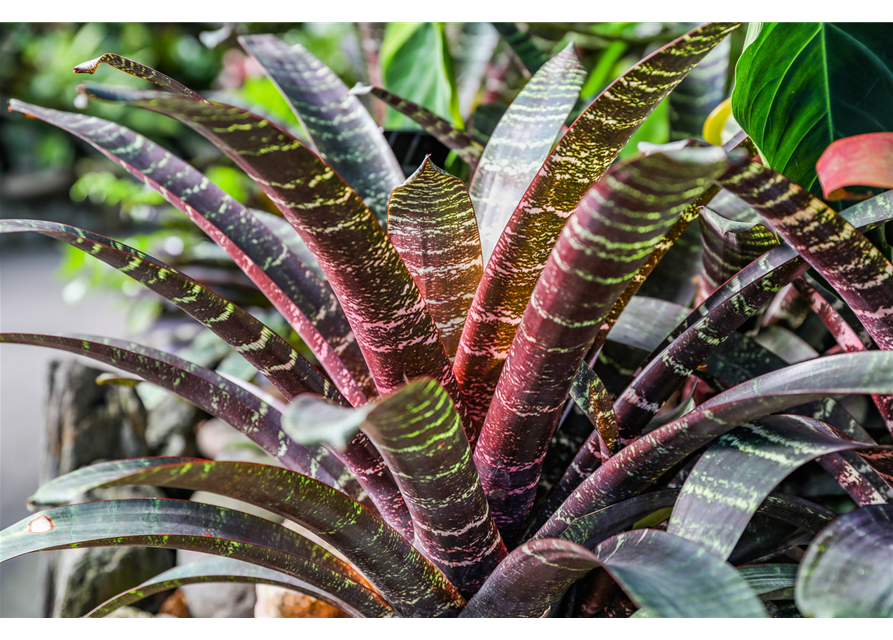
(289,371)
(384,307)
(865,160)
(232,403)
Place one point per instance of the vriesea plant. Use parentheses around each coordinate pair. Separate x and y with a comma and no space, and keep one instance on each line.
(437,454)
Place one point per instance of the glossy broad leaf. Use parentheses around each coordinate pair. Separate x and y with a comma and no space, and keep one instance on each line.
(384,307)
(343,133)
(607,238)
(865,160)
(211,392)
(416,64)
(579,159)
(846,569)
(407,580)
(178,524)
(635,467)
(432,225)
(303,299)
(521,141)
(288,370)
(800,86)
(669,576)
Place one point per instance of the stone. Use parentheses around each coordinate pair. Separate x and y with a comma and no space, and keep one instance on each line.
(170,430)
(278,602)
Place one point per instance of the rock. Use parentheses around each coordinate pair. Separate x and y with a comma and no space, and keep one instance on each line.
(170,430)
(175,605)
(133,612)
(277,602)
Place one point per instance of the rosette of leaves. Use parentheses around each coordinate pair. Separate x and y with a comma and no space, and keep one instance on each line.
(453,327)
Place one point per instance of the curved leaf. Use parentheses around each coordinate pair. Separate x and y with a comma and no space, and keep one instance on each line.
(431,223)
(225,570)
(669,576)
(303,299)
(140,71)
(858,160)
(530,55)
(289,371)
(407,580)
(259,420)
(733,476)
(801,85)
(579,159)
(521,141)
(670,365)
(344,134)
(846,569)
(770,581)
(639,464)
(178,524)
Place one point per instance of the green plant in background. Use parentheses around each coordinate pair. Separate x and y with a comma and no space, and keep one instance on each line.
(499,424)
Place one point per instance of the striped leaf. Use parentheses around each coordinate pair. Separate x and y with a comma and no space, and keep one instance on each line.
(211,392)
(699,94)
(733,476)
(606,240)
(521,141)
(669,576)
(289,371)
(343,133)
(431,223)
(418,432)
(176,524)
(846,569)
(217,570)
(733,237)
(770,581)
(589,392)
(579,159)
(465,146)
(384,307)
(639,464)
(594,528)
(311,420)
(303,299)
(420,436)
(140,71)
(669,366)
(406,579)
(855,268)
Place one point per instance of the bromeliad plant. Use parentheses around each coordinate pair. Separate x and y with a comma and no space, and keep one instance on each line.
(435,459)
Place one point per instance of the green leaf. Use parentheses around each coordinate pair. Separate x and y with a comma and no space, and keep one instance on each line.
(416,65)
(407,580)
(214,570)
(801,86)
(179,524)
(846,570)
(770,581)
